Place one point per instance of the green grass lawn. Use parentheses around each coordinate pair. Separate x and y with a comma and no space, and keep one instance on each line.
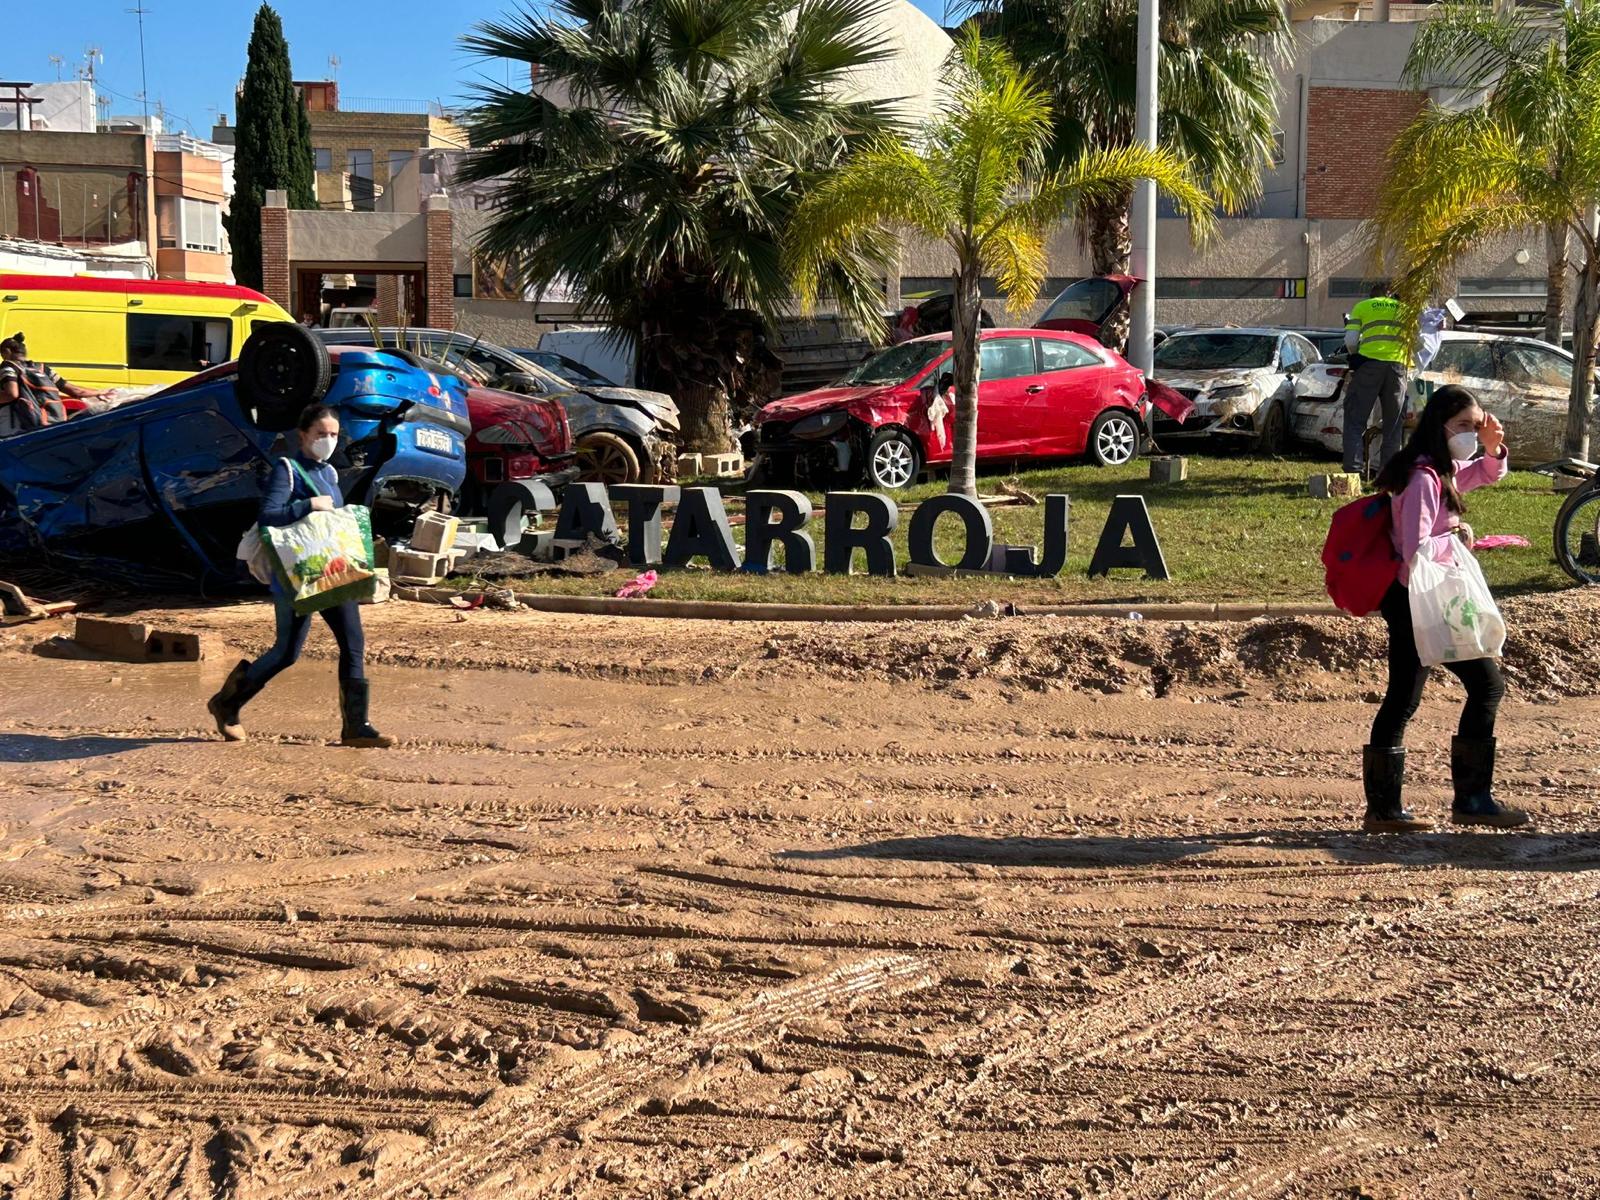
(1238,529)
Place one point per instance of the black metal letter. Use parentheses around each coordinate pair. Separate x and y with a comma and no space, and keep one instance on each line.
(701,528)
(1129,516)
(763,535)
(843,539)
(978,527)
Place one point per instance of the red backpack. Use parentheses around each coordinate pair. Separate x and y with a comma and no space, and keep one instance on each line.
(1359,555)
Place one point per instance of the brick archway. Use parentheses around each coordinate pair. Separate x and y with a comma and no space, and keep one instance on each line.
(410,253)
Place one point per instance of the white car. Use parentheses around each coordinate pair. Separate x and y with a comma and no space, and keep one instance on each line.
(1521,380)
(1242,383)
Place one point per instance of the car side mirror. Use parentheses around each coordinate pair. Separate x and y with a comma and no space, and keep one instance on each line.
(519,382)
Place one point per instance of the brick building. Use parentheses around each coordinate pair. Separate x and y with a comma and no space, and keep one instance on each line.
(360,145)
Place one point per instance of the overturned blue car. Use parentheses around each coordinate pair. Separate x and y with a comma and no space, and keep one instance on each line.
(159,490)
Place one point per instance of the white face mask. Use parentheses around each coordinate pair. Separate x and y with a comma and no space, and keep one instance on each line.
(1463,445)
(322,448)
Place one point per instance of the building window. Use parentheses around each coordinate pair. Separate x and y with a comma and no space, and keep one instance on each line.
(463,286)
(161,343)
(322,157)
(1352,289)
(167,222)
(1232,289)
(1508,288)
(202,226)
(363,196)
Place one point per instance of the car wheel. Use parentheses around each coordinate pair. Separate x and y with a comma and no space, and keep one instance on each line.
(1114,439)
(892,459)
(1274,432)
(282,368)
(606,458)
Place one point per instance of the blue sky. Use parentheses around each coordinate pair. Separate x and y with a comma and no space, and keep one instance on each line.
(194,49)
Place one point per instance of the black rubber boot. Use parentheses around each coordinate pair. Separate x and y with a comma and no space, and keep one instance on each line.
(1472,771)
(354,695)
(225,705)
(1383,775)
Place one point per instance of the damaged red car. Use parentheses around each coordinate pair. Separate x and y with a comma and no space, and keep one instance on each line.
(1042,394)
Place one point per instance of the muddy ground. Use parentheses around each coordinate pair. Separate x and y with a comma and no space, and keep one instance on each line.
(1053,908)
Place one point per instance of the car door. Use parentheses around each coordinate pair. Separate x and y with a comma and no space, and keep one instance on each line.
(1060,414)
(1008,370)
(1532,405)
(1469,362)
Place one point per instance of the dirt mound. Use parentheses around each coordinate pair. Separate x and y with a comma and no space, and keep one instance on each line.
(1554,651)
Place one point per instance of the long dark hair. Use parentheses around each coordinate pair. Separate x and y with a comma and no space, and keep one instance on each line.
(1430,446)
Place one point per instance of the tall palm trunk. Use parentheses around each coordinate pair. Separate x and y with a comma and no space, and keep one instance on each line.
(1556,237)
(1109,233)
(1586,321)
(968,305)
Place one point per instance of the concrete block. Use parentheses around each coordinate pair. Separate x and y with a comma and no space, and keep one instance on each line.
(434,533)
(1340,486)
(409,564)
(380,552)
(165,645)
(383,591)
(123,640)
(722,466)
(1171,469)
(689,466)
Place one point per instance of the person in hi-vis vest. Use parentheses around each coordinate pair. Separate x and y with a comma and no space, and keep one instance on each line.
(1376,332)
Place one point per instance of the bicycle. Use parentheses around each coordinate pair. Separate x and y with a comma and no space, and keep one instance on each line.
(1577,530)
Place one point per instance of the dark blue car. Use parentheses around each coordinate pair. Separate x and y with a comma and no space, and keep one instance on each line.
(160,489)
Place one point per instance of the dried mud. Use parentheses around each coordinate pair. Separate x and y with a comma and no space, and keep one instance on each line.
(639,908)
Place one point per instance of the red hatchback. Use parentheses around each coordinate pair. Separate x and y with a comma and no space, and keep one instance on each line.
(1041,394)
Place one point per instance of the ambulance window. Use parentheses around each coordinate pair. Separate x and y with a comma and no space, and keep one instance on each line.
(163,343)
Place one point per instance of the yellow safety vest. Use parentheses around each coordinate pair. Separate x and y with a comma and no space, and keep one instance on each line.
(1380,329)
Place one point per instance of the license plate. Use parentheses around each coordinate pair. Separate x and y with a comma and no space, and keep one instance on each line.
(435,439)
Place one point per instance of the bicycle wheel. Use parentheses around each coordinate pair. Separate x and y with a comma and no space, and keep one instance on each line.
(1578,535)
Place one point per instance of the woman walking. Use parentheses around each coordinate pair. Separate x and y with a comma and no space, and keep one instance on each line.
(1425,482)
(301,485)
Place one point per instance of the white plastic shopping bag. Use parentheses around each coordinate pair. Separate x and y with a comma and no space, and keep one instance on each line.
(1452,611)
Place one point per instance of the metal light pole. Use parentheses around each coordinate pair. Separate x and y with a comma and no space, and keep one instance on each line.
(1142,326)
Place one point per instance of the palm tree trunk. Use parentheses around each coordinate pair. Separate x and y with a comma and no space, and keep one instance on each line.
(1556,237)
(968,305)
(1110,237)
(1586,321)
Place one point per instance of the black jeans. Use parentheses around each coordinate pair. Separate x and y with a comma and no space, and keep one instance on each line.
(1373,382)
(1407,677)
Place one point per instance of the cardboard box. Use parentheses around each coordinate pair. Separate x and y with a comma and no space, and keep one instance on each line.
(434,533)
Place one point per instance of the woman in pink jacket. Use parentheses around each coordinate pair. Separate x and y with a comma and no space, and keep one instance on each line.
(1425,482)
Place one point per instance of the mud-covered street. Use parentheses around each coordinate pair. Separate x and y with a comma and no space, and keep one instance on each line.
(645,908)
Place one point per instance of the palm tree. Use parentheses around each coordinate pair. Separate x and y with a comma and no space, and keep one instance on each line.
(654,167)
(976,179)
(1459,179)
(1218,87)
(1513,56)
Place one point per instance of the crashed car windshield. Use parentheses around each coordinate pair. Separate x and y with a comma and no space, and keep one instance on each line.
(895,364)
(1215,351)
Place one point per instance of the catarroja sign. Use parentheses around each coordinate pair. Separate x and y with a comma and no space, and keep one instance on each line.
(857,527)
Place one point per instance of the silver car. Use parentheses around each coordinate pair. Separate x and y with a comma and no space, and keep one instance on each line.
(1242,383)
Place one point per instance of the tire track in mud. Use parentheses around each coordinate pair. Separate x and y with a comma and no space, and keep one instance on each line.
(509,1128)
(1116,1023)
(349,1108)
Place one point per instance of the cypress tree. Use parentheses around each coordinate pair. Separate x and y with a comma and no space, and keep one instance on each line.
(272,144)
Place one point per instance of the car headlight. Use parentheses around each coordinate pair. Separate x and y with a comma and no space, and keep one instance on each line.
(819,424)
(1232,392)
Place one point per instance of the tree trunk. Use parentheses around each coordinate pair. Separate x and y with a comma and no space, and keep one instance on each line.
(705,416)
(1110,236)
(1556,238)
(1585,322)
(964,337)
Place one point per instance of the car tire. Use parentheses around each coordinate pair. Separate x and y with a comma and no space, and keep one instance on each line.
(283,368)
(606,458)
(893,459)
(1274,431)
(1114,438)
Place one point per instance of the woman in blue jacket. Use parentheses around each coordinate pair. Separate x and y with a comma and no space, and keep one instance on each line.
(290,497)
